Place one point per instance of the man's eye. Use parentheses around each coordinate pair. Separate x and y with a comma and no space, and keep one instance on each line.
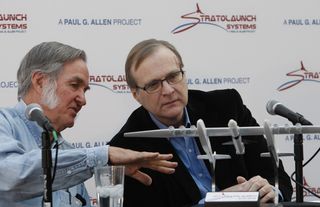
(172,76)
(74,85)
(153,84)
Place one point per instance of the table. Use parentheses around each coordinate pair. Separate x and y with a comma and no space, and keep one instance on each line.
(284,204)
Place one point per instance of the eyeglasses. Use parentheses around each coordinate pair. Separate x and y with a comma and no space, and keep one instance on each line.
(155,85)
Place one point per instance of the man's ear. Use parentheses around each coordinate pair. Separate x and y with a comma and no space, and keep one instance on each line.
(38,80)
(135,94)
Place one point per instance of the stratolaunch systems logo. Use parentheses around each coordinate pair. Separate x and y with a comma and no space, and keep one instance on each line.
(313,189)
(229,23)
(13,23)
(113,83)
(299,76)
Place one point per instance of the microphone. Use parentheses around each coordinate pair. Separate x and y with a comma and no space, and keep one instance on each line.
(34,112)
(275,107)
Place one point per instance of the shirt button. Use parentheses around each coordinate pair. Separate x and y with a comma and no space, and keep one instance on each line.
(69,172)
(190,150)
(200,174)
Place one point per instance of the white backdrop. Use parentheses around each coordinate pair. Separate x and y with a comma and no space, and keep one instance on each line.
(256,47)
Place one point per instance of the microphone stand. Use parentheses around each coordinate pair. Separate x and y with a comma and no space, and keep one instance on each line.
(47,165)
(298,158)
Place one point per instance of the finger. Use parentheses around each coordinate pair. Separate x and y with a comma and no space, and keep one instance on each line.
(120,156)
(243,184)
(147,156)
(265,190)
(255,179)
(161,163)
(270,196)
(161,169)
(241,179)
(142,177)
(254,187)
(257,184)
(237,188)
(162,166)
(164,157)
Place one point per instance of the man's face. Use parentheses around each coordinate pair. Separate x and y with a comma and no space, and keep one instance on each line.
(168,103)
(69,96)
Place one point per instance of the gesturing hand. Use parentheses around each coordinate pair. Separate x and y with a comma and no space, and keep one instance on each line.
(134,160)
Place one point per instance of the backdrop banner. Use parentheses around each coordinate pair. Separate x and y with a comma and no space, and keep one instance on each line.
(264,49)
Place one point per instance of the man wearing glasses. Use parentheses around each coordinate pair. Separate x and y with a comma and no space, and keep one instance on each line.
(155,75)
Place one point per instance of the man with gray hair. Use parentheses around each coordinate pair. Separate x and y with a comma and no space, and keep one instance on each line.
(56,77)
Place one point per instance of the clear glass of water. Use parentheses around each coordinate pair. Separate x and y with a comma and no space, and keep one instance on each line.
(109,185)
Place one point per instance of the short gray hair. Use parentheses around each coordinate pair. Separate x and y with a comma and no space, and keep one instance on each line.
(47,57)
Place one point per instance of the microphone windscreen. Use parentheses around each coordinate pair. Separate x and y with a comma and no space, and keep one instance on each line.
(31,107)
(271,106)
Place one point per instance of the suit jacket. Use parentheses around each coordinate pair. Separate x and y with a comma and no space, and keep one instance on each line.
(215,108)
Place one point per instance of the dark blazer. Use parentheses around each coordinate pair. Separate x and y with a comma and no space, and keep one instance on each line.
(215,108)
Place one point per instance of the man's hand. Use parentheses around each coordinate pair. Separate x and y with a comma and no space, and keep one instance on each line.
(256,183)
(134,160)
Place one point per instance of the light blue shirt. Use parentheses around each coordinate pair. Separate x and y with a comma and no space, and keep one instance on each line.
(187,149)
(21,173)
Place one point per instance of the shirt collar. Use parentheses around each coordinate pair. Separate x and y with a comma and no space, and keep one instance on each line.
(34,128)
(187,122)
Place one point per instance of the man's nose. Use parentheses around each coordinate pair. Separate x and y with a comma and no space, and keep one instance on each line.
(166,87)
(81,99)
